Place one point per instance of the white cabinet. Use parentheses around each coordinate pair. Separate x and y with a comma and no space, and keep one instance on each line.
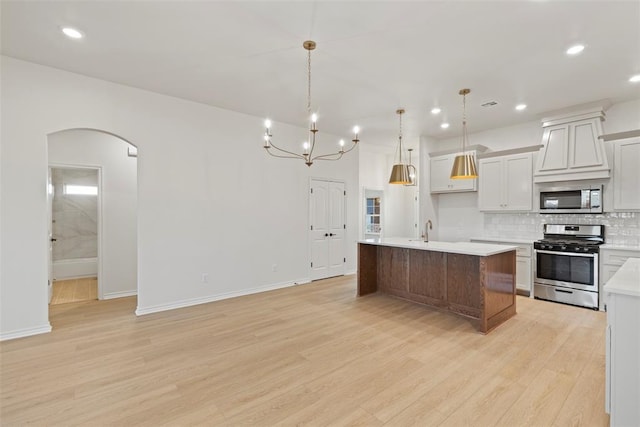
(610,262)
(505,183)
(622,390)
(626,175)
(524,259)
(571,149)
(440,172)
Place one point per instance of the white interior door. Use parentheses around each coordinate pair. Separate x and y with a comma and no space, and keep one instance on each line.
(327,228)
(337,229)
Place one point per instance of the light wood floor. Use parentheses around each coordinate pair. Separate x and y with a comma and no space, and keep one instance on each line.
(74,290)
(312,354)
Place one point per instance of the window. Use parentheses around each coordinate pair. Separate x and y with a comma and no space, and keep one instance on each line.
(372,216)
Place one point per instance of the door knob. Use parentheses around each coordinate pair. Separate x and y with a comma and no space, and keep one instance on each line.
(53,239)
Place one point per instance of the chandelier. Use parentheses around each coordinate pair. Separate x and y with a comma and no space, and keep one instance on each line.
(400,173)
(464,165)
(308,154)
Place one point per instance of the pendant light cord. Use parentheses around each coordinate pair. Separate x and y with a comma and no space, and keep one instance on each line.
(309,82)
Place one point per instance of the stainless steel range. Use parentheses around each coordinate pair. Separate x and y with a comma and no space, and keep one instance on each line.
(567,264)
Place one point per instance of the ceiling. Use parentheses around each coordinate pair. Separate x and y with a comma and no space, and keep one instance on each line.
(371,58)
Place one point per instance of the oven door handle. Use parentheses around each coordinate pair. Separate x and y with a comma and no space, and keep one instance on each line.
(566,253)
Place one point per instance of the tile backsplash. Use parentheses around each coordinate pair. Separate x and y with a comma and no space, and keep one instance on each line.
(621,228)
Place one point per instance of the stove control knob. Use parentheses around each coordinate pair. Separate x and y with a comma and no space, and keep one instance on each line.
(563,247)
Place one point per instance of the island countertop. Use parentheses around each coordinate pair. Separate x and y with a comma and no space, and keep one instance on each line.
(626,280)
(464,248)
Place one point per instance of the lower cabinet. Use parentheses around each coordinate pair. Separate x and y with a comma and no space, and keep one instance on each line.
(524,263)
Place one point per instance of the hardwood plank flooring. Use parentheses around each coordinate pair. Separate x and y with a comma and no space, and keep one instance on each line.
(74,290)
(307,355)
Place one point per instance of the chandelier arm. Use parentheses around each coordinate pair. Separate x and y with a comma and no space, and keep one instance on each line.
(284,157)
(326,157)
(295,155)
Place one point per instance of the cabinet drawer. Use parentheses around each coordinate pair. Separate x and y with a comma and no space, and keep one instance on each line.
(617,257)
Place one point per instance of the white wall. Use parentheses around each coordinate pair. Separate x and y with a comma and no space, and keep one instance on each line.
(118,235)
(458,217)
(209,199)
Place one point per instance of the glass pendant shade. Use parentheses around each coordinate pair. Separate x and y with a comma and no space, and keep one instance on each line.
(400,174)
(464,167)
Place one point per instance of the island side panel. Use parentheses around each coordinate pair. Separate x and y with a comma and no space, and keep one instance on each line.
(463,285)
(393,271)
(499,285)
(367,269)
(428,277)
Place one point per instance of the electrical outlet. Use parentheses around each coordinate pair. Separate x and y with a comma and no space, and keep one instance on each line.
(205,277)
(274,267)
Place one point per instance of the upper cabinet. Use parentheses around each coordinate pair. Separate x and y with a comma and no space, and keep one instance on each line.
(440,172)
(626,175)
(505,183)
(571,149)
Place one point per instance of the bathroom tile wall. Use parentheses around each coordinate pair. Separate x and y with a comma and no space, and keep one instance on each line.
(621,228)
(75,217)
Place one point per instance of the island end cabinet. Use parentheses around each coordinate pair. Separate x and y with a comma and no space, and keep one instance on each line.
(481,288)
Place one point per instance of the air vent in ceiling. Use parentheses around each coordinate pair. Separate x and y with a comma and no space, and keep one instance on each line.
(489,104)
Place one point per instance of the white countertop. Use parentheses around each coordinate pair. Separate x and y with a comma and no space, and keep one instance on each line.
(626,280)
(516,240)
(465,248)
(620,247)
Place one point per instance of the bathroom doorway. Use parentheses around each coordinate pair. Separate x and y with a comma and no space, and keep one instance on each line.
(75,205)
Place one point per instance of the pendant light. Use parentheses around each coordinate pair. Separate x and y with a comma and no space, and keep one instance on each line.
(464,165)
(400,171)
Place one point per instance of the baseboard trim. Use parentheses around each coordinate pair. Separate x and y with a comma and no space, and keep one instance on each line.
(141,311)
(21,333)
(120,294)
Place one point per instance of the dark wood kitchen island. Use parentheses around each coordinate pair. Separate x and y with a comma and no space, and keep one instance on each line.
(474,280)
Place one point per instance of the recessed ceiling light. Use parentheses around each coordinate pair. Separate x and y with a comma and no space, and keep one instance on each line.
(72,33)
(521,107)
(574,50)
(635,79)
(444,125)
(435,110)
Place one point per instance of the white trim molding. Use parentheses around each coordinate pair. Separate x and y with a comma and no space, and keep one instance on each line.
(141,311)
(120,294)
(21,333)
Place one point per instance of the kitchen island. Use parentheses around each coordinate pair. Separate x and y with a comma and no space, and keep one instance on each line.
(475,280)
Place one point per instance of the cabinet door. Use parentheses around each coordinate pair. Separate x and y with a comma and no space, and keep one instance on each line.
(584,148)
(440,171)
(427,277)
(440,176)
(523,273)
(393,270)
(556,148)
(490,196)
(626,175)
(518,182)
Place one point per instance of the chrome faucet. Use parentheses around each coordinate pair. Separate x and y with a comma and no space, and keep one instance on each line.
(427,226)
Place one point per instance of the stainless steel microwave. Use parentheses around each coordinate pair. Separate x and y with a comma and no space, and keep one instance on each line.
(571,199)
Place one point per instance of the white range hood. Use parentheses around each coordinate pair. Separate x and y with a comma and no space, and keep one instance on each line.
(571,148)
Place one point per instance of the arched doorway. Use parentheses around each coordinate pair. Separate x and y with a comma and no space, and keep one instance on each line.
(114,160)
